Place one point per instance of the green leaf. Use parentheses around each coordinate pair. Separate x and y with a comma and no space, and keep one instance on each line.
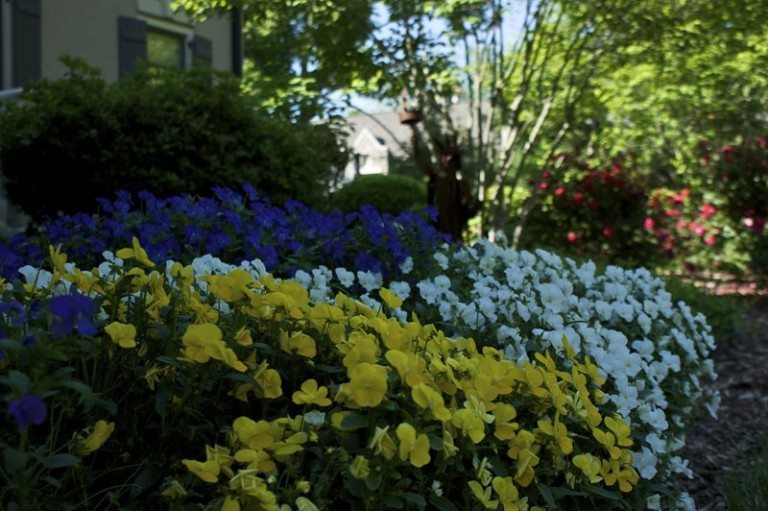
(19,381)
(60,460)
(414,498)
(435,443)
(14,459)
(354,421)
(329,369)
(602,492)
(374,481)
(393,502)
(548,498)
(442,503)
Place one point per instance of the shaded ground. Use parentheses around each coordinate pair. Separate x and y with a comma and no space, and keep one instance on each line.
(716,447)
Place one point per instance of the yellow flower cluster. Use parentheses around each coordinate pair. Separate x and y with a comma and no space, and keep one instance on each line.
(412,397)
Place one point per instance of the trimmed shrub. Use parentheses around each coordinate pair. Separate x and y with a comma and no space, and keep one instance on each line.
(69,141)
(388,194)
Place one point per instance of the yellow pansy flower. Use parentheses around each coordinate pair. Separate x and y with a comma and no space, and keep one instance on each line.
(483,495)
(243,337)
(208,471)
(255,435)
(298,343)
(504,426)
(269,381)
(200,341)
(382,443)
(590,465)
(620,430)
(427,397)
(58,260)
(260,461)
(558,431)
(174,490)
(360,468)
(471,419)
(230,504)
(254,486)
(608,441)
(367,384)
(364,348)
(304,504)
(311,394)
(303,486)
(231,287)
(135,252)
(122,334)
(391,299)
(525,463)
(413,447)
(507,492)
(99,434)
(410,367)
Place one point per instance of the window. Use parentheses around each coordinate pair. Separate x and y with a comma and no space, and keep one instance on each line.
(165,49)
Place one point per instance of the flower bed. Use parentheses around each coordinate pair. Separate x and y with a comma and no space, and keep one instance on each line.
(643,360)
(232,226)
(234,391)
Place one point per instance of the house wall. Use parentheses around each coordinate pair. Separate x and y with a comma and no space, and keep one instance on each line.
(88,29)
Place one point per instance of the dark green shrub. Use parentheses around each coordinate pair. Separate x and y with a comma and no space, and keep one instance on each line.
(70,141)
(388,194)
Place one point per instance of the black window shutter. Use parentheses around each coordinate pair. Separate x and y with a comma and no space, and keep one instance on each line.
(26,36)
(202,51)
(131,45)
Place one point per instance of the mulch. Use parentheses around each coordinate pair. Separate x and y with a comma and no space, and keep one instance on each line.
(717,447)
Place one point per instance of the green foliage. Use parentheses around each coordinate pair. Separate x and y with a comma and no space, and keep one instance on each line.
(724,313)
(746,489)
(388,194)
(163,131)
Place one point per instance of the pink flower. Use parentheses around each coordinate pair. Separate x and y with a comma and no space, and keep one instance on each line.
(681,224)
(674,213)
(560,190)
(707,210)
(578,197)
(543,186)
(709,240)
(649,224)
(607,232)
(572,237)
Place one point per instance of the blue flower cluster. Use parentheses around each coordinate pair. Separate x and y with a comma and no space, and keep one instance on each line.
(233,226)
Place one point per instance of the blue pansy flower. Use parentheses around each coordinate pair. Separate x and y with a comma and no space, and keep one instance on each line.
(73,311)
(29,409)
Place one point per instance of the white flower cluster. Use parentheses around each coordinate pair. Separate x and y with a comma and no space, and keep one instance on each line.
(653,352)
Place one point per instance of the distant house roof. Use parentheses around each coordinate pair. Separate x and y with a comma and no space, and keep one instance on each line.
(386,127)
(383,127)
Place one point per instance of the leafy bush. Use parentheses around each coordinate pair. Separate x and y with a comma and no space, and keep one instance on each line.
(233,226)
(739,173)
(69,141)
(388,194)
(582,210)
(233,391)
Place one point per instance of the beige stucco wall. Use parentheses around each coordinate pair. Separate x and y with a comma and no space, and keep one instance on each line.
(88,29)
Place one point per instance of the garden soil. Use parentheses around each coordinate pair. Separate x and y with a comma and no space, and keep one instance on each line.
(717,447)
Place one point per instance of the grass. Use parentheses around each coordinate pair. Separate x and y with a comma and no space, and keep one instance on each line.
(746,489)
